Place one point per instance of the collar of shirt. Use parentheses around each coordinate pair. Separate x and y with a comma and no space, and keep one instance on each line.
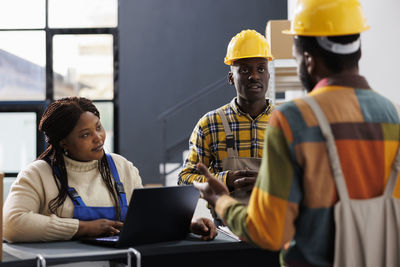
(236,109)
(344,80)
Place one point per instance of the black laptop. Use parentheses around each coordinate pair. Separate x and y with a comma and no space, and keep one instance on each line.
(156,214)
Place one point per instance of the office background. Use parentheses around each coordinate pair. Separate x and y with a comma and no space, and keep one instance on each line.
(169,51)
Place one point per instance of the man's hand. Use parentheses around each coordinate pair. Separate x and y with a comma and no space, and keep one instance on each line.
(96,228)
(242,180)
(204,227)
(212,189)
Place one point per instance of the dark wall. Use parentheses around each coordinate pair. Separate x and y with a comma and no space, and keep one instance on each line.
(169,50)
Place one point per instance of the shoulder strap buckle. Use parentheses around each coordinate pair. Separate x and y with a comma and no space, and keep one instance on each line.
(230,141)
(120,188)
(73,194)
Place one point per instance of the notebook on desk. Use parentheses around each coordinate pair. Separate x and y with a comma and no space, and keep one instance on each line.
(155,214)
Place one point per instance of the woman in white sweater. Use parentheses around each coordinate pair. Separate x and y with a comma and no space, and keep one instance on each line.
(74,189)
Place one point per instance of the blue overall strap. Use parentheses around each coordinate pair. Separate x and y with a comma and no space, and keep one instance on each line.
(120,186)
(76,199)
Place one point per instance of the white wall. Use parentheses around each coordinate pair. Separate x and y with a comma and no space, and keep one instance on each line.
(380,46)
(291,5)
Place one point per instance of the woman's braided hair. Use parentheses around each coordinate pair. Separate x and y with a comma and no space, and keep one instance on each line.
(59,119)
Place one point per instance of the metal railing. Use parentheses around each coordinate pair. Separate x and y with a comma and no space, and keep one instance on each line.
(163,117)
(89,256)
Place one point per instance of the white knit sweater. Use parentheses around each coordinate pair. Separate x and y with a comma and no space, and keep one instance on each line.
(26,216)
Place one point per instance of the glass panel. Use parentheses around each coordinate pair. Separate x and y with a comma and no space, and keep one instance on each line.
(106,110)
(17,140)
(83,66)
(7,183)
(22,66)
(22,14)
(83,13)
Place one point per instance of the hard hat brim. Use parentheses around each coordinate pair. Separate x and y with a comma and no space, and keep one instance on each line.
(230,61)
(291,32)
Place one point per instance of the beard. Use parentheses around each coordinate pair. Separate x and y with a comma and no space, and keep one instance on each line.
(305,78)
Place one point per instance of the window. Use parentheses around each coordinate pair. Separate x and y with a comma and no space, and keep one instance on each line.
(31,16)
(22,67)
(51,49)
(83,65)
(85,13)
(21,128)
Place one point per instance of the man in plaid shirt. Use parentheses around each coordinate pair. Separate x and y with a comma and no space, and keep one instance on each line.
(246,118)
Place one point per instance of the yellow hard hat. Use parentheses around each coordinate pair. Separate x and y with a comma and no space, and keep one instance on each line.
(246,44)
(328,18)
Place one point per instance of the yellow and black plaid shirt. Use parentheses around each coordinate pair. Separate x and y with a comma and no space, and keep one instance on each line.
(207,143)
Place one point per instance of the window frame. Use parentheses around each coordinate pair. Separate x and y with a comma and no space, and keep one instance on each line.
(39,106)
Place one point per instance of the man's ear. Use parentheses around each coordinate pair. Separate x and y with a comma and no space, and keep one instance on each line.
(310,62)
(230,78)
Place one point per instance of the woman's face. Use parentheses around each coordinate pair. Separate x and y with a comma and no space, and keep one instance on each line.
(85,142)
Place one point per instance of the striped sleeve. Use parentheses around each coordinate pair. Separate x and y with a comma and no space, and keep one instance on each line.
(268,220)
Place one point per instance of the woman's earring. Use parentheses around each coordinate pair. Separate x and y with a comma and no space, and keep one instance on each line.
(65,152)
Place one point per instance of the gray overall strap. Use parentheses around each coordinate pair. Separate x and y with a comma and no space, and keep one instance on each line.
(331,146)
(230,140)
(393,175)
(395,169)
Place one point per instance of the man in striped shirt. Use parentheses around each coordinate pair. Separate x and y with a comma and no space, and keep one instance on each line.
(291,205)
(246,115)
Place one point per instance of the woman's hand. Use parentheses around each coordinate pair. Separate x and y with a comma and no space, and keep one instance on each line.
(100,227)
(204,227)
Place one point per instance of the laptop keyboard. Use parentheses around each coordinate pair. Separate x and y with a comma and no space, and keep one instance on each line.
(108,238)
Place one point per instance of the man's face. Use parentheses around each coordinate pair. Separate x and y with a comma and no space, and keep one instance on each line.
(250,77)
(302,72)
